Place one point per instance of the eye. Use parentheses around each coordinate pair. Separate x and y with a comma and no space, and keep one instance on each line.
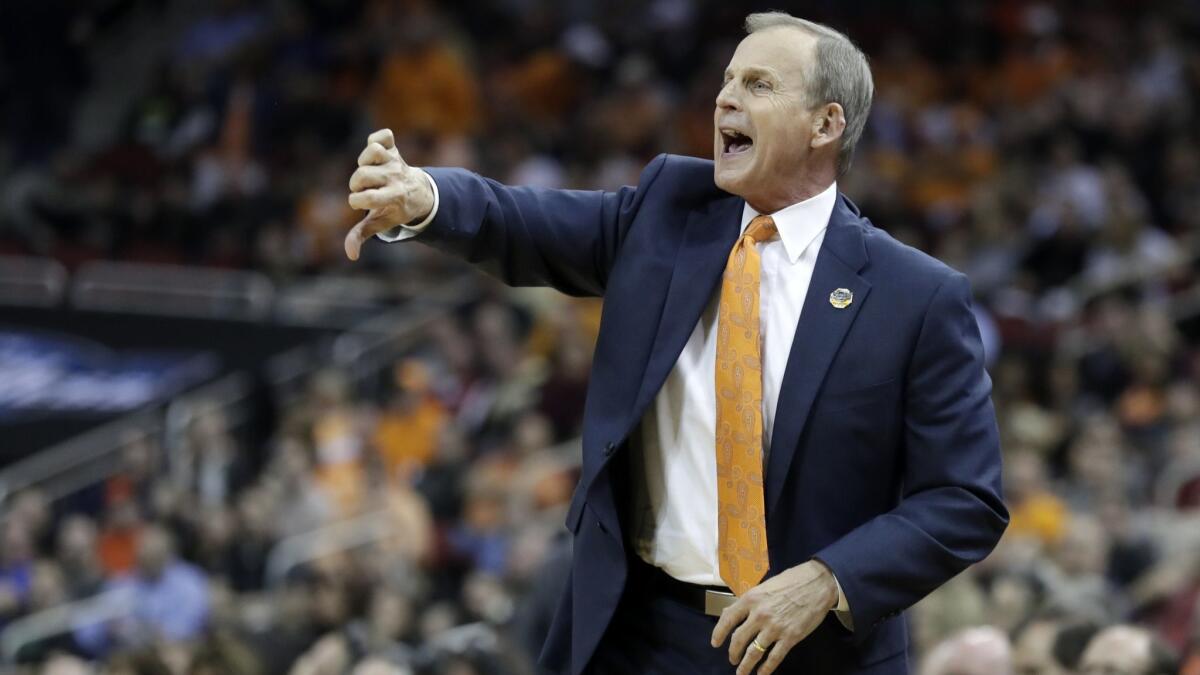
(760,86)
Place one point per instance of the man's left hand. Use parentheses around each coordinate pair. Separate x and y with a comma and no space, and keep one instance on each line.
(778,613)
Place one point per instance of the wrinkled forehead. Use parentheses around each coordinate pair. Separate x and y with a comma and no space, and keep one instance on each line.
(784,50)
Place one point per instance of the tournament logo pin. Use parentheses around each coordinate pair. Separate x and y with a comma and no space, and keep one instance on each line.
(841,298)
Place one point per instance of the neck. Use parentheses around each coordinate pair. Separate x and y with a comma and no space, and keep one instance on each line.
(809,185)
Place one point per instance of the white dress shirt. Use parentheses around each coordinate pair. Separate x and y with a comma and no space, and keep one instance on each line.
(675,494)
(677,500)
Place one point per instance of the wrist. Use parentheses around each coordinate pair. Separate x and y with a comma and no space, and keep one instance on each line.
(426,199)
(829,585)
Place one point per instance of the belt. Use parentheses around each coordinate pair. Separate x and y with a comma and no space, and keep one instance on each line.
(707,599)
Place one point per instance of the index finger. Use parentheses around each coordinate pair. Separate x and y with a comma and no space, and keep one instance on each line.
(731,617)
(383,137)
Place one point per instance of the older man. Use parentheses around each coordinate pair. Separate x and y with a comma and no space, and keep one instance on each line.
(974,651)
(788,436)
(1127,650)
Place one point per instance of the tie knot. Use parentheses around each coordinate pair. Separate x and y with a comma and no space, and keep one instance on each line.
(761,229)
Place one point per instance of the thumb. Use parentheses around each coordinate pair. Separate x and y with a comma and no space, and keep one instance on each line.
(360,233)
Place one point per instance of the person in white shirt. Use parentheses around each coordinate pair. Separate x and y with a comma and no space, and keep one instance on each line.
(789,437)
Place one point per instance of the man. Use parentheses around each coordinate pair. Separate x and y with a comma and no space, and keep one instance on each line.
(1033,648)
(811,431)
(1127,650)
(974,651)
(164,598)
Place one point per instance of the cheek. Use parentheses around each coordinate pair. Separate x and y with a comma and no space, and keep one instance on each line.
(787,143)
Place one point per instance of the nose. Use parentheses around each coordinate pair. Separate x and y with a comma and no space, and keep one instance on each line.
(726,99)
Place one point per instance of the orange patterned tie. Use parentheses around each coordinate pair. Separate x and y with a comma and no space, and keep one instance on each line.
(741,520)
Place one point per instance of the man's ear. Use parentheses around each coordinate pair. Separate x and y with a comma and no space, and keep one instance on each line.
(828,124)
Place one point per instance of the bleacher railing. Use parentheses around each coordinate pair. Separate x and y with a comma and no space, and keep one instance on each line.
(372,332)
(28,281)
(62,620)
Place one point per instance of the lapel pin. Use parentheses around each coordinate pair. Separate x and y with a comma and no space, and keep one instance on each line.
(841,298)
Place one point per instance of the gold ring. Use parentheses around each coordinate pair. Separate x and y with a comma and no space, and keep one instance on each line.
(758,646)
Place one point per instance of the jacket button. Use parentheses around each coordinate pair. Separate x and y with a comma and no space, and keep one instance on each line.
(609,449)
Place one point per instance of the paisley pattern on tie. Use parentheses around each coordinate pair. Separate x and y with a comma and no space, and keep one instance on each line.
(741,518)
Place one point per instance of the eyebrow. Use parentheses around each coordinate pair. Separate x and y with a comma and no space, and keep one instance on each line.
(755,71)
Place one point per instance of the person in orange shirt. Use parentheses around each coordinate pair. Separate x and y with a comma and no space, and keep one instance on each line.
(406,435)
(425,87)
(117,544)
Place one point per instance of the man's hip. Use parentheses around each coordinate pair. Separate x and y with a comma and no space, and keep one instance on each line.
(661,628)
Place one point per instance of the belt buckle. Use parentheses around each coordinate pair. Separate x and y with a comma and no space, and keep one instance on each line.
(716,601)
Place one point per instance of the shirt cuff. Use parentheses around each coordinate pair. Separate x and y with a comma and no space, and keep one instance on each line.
(402,232)
(842,611)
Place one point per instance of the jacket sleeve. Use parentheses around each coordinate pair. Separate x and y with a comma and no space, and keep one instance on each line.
(527,236)
(950,513)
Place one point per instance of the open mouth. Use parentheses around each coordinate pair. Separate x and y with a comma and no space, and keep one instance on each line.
(735,142)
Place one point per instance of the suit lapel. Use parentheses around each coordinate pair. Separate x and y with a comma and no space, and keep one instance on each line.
(707,241)
(819,334)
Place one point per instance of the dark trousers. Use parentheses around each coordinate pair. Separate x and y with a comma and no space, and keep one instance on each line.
(652,634)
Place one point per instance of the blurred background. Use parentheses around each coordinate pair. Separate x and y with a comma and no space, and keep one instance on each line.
(226,450)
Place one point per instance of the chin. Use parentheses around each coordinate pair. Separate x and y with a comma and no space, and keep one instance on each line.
(733,172)
(730,180)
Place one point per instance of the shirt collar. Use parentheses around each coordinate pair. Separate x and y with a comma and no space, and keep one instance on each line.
(800,223)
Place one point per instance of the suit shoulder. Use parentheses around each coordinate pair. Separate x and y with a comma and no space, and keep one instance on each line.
(683,180)
(904,265)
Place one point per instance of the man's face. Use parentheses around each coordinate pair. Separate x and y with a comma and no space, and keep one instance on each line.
(763,123)
(154,552)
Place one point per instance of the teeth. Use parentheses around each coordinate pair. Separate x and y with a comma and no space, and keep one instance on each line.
(735,141)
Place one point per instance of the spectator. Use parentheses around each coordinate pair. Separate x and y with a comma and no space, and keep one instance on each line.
(1127,650)
(66,665)
(222,655)
(209,463)
(164,598)
(16,568)
(975,651)
(118,542)
(438,91)
(377,666)
(1079,583)
(137,662)
(77,554)
(406,434)
(329,656)
(31,508)
(303,504)
(1033,651)
(388,626)
(1072,640)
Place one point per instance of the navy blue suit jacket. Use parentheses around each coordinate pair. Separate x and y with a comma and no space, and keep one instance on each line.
(884,460)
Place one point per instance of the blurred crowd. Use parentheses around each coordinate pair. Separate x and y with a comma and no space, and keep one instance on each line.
(1050,151)
(408,522)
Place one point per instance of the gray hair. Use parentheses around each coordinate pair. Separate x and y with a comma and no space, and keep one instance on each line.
(840,74)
